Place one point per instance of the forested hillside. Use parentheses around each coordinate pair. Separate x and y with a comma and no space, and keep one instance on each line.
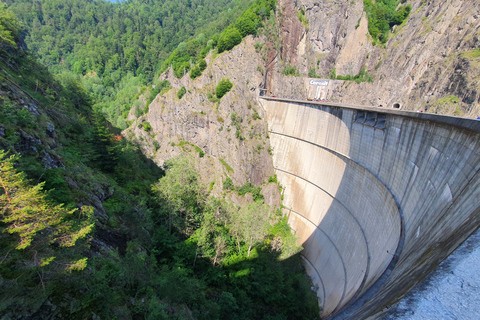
(90,228)
(116,50)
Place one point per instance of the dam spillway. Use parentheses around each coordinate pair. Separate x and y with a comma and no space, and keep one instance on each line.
(377,196)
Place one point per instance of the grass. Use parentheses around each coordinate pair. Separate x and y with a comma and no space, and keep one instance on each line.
(472,54)
(229,169)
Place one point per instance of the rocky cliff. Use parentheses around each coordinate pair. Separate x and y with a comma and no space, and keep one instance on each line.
(227,136)
(430,63)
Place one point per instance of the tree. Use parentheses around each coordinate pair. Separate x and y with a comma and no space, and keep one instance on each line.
(250,223)
(223,87)
(182,192)
(181,92)
(105,148)
(212,236)
(229,39)
(9,26)
(26,213)
(246,23)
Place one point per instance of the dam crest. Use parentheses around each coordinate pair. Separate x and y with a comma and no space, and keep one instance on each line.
(378,197)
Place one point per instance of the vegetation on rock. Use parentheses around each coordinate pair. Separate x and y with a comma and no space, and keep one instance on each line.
(223,87)
(181,92)
(382,15)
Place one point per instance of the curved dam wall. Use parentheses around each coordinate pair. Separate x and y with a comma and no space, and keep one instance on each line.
(378,197)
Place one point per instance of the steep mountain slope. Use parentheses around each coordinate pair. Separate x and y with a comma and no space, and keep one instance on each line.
(150,244)
(228,131)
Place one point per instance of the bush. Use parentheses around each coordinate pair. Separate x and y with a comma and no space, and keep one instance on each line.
(382,16)
(181,92)
(223,87)
(313,74)
(228,184)
(195,73)
(146,126)
(198,69)
(246,23)
(290,70)
(229,39)
(202,64)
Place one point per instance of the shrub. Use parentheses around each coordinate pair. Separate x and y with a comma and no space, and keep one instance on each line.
(146,126)
(313,74)
(202,64)
(223,87)
(246,23)
(228,184)
(290,70)
(195,73)
(382,16)
(181,92)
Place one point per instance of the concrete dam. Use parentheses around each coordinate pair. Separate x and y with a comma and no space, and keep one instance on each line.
(378,196)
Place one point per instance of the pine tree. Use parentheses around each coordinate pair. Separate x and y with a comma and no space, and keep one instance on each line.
(26,214)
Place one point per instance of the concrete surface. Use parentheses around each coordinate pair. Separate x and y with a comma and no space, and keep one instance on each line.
(450,292)
(378,196)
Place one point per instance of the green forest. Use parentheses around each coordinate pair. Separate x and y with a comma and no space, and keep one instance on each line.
(118,50)
(72,188)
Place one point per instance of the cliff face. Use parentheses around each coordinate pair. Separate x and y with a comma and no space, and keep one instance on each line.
(230,132)
(430,63)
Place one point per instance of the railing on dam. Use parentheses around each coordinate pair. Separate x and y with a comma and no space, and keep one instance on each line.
(377,196)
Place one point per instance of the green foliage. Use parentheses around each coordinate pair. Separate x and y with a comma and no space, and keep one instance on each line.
(228,184)
(362,76)
(246,23)
(445,104)
(198,69)
(332,74)
(382,16)
(197,149)
(273,179)
(228,39)
(182,192)
(248,187)
(289,70)
(472,54)
(223,87)
(250,224)
(26,212)
(255,115)
(229,169)
(181,92)
(105,149)
(146,126)
(10,27)
(313,74)
(303,19)
(160,87)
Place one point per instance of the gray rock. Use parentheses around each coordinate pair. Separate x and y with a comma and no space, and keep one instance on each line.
(33,109)
(50,129)
(50,163)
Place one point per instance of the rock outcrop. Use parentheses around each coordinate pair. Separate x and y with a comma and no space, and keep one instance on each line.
(228,136)
(430,63)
